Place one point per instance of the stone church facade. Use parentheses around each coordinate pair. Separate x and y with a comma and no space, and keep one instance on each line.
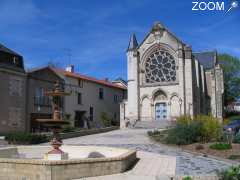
(166,79)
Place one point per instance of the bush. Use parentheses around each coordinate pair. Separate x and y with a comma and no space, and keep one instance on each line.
(233,173)
(201,128)
(154,133)
(234,157)
(220,146)
(25,138)
(184,134)
(105,119)
(187,178)
(68,129)
(211,129)
(184,120)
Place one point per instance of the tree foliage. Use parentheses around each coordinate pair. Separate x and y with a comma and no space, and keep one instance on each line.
(231,68)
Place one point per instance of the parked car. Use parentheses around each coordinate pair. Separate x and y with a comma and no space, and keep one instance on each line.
(233,125)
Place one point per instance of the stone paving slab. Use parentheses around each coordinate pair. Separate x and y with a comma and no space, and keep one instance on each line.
(137,139)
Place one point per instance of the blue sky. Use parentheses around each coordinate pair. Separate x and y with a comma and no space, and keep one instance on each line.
(96,32)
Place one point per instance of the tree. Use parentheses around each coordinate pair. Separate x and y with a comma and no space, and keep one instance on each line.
(231,69)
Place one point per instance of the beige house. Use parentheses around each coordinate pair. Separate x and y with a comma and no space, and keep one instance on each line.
(166,80)
(12,91)
(90,98)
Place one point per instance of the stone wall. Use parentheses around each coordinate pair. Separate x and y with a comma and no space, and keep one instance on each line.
(13,101)
(27,169)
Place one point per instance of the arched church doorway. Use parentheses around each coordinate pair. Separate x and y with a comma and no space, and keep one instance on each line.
(160,111)
(160,105)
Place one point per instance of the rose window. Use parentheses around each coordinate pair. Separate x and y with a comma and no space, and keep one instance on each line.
(160,66)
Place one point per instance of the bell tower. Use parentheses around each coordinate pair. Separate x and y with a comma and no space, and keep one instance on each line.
(133,79)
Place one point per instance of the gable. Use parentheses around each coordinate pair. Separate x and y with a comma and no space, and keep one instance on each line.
(161,36)
(45,74)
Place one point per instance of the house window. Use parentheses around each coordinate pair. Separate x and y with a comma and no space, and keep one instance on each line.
(101,93)
(39,92)
(79,98)
(80,83)
(91,113)
(40,99)
(115,98)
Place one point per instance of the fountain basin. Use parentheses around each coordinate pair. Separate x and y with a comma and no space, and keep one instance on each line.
(25,162)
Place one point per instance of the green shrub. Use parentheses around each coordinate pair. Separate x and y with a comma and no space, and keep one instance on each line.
(154,133)
(68,129)
(233,173)
(201,128)
(187,178)
(234,157)
(220,146)
(184,134)
(184,120)
(105,119)
(25,138)
(211,129)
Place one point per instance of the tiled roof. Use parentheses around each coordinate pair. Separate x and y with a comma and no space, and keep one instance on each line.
(207,59)
(87,78)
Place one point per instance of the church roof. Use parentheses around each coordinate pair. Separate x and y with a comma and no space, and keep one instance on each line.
(207,59)
(133,44)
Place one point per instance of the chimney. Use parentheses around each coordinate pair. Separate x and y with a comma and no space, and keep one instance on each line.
(106,79)
(70,68)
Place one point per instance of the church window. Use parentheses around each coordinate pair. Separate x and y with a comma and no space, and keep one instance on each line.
(160,67)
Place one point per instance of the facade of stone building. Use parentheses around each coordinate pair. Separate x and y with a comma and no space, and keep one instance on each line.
(12,91)
(89,97)
(23,98)
(166,79)
(39,105)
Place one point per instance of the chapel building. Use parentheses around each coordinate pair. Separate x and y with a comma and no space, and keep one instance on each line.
(167,80)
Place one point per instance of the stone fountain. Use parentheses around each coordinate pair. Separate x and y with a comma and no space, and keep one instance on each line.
(56,123)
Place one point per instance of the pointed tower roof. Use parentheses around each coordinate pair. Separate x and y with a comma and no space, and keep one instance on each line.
(133,44)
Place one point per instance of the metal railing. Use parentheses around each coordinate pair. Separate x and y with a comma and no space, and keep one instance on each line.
(42,101)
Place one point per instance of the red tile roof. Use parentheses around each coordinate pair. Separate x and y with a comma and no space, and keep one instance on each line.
(87,78)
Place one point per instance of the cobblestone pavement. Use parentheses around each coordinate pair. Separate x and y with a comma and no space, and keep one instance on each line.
(186,163)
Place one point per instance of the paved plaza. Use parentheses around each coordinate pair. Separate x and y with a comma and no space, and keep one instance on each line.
(155,159)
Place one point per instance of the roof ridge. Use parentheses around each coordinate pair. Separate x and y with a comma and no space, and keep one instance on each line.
(6,49)
(87,77)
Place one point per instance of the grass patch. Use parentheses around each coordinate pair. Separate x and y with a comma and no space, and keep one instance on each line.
(220,146)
